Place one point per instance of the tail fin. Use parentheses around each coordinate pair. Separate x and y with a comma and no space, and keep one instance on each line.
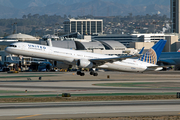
(153,54)
(178,50)
(141,51)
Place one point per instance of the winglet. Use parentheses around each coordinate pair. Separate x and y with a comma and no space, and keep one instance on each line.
(153,54)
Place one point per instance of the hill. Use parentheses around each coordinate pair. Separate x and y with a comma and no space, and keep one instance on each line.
(18,8)
(22,4)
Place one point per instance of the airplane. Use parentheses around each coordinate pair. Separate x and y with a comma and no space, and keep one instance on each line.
(178,50)
(169,58)
(132,63)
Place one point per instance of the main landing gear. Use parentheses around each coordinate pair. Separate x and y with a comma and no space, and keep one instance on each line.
(92,72)
(80,73)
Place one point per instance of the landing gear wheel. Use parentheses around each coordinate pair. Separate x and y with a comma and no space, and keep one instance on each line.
(78,72)
(91,72)
(95,74)
(82,74)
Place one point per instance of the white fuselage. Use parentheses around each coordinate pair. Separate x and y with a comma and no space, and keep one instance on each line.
(71,56)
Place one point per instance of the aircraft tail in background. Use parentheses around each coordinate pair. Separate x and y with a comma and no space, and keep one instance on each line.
(153,54)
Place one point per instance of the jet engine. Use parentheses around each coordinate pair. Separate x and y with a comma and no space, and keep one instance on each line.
(84,63)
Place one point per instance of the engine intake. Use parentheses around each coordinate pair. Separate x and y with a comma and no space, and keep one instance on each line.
(84,63)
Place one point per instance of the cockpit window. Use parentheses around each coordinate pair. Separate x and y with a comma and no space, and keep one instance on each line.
(12,46)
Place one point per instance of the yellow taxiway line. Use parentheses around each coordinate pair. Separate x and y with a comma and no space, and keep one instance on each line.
(27,116)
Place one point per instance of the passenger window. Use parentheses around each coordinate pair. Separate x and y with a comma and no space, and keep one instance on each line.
(12,46)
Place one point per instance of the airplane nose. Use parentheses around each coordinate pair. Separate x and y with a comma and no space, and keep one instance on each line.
(6,49)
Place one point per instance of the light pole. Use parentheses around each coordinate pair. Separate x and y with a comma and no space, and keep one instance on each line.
(15,27)
(154,26)
(12,28)
(170,28)
(55,30)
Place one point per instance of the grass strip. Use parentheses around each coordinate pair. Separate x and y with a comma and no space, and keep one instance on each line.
(85,98)
(141,84)
(142,117)
(25,76)
(77,95)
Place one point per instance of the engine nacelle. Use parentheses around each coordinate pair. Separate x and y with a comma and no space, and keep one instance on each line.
(84,63)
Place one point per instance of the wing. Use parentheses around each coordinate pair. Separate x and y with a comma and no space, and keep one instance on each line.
(102,61)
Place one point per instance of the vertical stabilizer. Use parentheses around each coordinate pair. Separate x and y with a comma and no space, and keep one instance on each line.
(141,51)
(153,54)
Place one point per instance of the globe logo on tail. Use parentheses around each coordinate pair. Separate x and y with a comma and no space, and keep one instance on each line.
(149,57)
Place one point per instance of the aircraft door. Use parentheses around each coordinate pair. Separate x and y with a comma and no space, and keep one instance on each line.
(23,47)
(137,62)
(50,51)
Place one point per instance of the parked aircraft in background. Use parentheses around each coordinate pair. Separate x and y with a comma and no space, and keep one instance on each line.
(169,58)
(146,62)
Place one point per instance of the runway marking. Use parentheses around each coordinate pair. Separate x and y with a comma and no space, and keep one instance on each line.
(28,116)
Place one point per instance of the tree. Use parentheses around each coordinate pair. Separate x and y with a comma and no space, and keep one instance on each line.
(24,16)
(36,16)
(130,15)
(29,15)
(65,16)
(69,16)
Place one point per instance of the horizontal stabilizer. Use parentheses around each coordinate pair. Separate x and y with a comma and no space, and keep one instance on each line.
(160,66)
(156,68)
